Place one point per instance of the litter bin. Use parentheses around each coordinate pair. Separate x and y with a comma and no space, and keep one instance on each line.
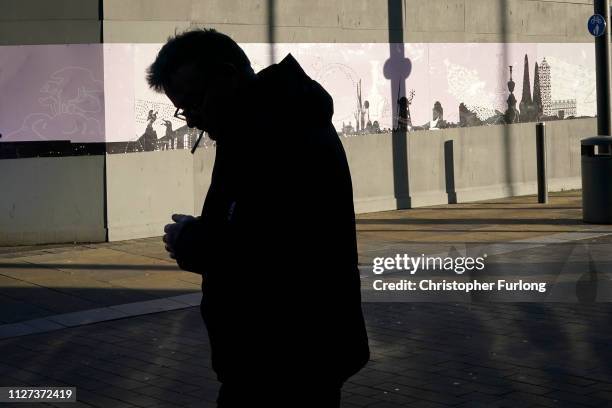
(597,179)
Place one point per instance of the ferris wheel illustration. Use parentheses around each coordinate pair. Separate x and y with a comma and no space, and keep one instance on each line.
(337,70)
(338,79)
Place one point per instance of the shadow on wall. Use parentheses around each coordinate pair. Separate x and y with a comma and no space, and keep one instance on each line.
(449,172)
(397,69)
(511,114)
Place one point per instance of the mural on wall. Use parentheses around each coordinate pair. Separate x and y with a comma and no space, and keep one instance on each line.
(68,93)
(450,85)
(145,121)
(52,94)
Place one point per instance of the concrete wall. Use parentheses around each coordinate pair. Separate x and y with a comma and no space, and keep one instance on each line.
(83,21)
(151,21)
(203,162)
(353,21)
(52,199)
(62,199)
(144,189)
(487,162)
(49,22)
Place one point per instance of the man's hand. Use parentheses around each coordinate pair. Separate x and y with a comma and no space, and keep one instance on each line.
(172,232)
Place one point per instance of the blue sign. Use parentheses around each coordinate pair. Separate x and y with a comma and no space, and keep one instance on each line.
(597,25)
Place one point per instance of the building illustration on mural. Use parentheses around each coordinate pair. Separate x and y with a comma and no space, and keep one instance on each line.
(512,114)
(363,123)
(563,108)
(537,94)
(545,91)
(174,137)
(536,104)
(527,108)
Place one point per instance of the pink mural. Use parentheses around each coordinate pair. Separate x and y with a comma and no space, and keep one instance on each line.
(52,92)
(98,93)
(448,85)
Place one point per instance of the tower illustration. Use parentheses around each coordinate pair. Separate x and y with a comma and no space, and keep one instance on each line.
(545,88)
(512,115)
(526,107)
(537,96)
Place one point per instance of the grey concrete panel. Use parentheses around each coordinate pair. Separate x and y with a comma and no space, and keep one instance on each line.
(371,14)
(145,189)
(351,21)
(489,162)
(516,38)
(576,22)
(241,33)
(435,15)
(148,10)
(116,31)
(426,165)
(527,20)
(545,18)
(49,199)
(371,164)
(331,35)
(563,147)
(159,31)
(494,17)
(313,13)
(230,11)
(435,37)
(203,162)
(50,32)
(495,161)
(49,10)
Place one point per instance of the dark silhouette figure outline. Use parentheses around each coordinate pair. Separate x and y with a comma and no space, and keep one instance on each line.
(275,242)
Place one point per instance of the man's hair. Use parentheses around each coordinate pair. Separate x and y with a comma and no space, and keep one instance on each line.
(204,47)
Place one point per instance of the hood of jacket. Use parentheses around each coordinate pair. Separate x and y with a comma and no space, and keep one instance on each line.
(289,97)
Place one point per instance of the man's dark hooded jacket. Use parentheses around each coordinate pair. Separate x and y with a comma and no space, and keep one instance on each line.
(276,241)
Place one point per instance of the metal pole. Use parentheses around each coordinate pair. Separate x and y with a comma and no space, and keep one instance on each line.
(602,70)
(541,162)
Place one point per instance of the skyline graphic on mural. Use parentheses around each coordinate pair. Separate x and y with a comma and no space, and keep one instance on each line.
(447,87)
(91,93)
(176,134)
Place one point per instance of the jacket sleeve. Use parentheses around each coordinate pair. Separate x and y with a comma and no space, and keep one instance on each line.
(190,245)
(197,242)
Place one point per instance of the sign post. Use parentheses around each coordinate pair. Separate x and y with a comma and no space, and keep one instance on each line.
(599,27)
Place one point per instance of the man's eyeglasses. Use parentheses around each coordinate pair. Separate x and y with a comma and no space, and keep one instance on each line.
(180,114)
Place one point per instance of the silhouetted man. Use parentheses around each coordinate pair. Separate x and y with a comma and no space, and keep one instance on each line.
(275,243)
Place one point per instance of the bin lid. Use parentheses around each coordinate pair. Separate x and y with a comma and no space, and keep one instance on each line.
(596,141)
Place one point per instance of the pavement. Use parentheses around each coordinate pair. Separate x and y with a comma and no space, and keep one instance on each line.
(120,321)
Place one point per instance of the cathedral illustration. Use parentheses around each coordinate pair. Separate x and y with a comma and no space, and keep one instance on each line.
(539,105)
